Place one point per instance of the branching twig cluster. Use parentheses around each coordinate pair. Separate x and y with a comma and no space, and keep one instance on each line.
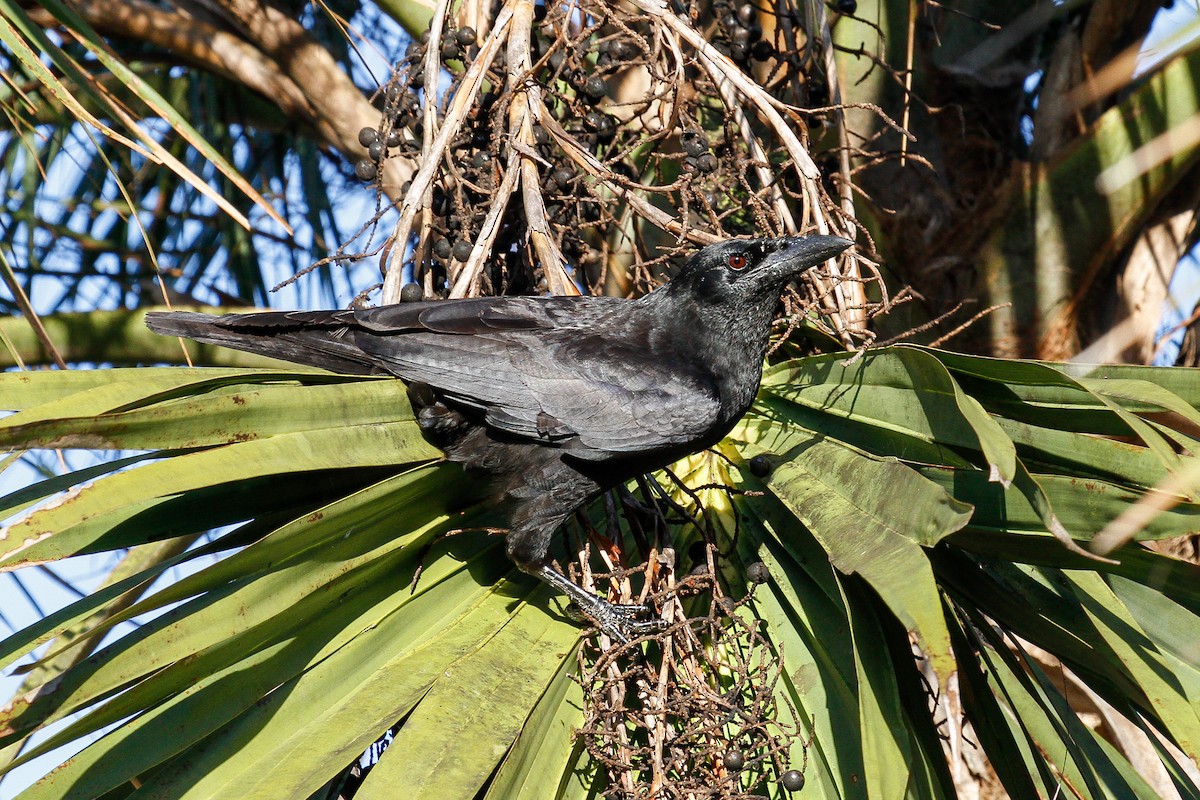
(580,145)
(697,710)
(696,714)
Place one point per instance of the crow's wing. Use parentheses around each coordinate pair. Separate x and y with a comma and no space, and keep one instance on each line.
(621,399)
(576,371)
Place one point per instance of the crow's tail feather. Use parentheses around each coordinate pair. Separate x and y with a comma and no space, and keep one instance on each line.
(313,345)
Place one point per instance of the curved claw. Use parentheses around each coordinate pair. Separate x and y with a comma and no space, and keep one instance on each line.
(629,611)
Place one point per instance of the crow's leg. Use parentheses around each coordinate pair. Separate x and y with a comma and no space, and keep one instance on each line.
(528,547)
(544,491)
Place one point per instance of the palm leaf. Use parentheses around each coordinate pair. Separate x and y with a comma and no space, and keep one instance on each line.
(894,513)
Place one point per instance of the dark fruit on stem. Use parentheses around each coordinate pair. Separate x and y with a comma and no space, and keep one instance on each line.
(792,780)
(762,50)
(365,170)
(595,86)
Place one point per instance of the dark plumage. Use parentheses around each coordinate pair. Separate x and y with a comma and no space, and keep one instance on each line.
(556,399)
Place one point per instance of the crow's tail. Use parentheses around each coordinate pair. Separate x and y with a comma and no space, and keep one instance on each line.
(315,339)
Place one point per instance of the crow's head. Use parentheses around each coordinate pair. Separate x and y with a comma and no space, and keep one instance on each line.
(753,270)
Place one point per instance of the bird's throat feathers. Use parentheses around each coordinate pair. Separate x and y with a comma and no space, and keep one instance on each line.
(730,340)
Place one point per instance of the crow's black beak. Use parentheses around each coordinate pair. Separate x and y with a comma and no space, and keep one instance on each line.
(808,251)
(790,256)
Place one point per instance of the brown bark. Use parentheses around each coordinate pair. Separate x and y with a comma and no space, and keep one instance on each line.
(197,42)
(274,56)
(337,104)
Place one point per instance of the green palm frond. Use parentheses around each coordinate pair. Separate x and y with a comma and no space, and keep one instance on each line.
(910,502)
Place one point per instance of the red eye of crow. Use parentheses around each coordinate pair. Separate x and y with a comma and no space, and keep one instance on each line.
(737,262)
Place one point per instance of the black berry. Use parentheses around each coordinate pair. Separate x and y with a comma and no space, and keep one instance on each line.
(368,136)
(818,92)
(734,760)
(411,293)
(595,86)
(792,780)
(621,49)
(365,170)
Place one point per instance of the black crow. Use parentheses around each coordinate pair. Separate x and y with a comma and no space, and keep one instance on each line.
(556,399)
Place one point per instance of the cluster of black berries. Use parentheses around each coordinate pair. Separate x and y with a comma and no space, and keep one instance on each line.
(579,62)
(699,159)
(792,780)
(739,35)
(367,169)
(401,106)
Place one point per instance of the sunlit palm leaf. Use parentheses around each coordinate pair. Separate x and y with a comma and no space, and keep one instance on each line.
(288,657)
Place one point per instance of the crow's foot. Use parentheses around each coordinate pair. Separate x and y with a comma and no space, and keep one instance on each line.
(622,622)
